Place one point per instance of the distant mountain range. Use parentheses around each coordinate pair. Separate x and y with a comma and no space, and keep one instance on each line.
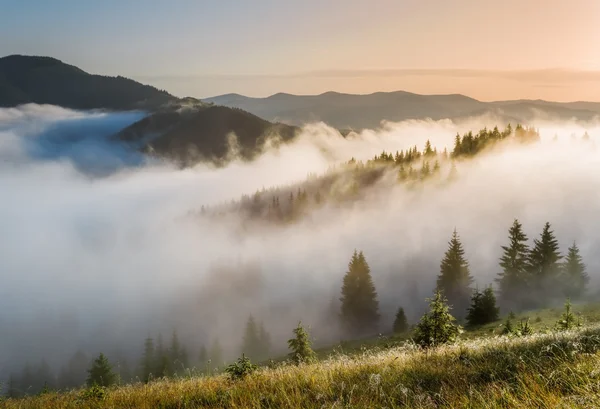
(351,111)
(190,130)
(45,80)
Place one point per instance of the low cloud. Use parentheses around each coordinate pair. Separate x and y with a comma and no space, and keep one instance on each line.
(100,262)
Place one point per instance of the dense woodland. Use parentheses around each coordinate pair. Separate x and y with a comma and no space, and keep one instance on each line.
(531,274)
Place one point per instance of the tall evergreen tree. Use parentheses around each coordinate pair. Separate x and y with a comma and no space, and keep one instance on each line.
(544,264)
(455,279)
(512,281)
(148,360)
(302,351)
(177,355)
(400,322)
(251,345)
(101,373)
(359,310)
(162,361)
(575,278)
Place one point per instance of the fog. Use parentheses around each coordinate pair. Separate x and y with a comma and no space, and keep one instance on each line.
(99,250)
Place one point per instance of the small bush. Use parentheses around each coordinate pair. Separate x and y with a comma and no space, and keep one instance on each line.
(94,392)
(241,368)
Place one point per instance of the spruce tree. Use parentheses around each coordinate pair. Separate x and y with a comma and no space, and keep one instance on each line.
(455,279)
(567,320)
(512,281)
(251,344)
(483,308)
(574,276)
(148,360)
(101,373)
(544,263)
(162,361)
(359,309)
(302,351)
(437,326)
(400,322)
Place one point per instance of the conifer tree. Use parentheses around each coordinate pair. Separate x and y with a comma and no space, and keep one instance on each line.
(162,361)
(544,263)
(437,326)
(567,320)
(483,308)
(512,281)
(455,279)
(302,351)
(101,373)
(400,322)
(428,151)
(148,360)
(574,276)
(251,345)
(360,308)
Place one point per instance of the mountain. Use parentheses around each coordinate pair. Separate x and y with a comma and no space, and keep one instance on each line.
(196,132)
(45,80)
(367,111)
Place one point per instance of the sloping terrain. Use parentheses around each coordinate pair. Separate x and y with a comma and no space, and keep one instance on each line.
(214,133)
(45,80)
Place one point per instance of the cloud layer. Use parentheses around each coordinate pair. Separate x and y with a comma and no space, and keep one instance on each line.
(100,262)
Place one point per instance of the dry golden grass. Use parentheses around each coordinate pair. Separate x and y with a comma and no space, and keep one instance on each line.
(554,370)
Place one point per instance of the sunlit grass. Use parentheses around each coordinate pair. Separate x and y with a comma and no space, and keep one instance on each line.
(553,369)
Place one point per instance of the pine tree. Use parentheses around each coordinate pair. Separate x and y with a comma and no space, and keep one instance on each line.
(300,346)
(101,373)
(400,322)
(455,279)
(427,151)
(251,345)
(512,281)
(483,308)
(575,278)
(148,360)
(567,320)
(437,326)
(177,355)
(508,326)
(162,361)
(544,259)
(359,310)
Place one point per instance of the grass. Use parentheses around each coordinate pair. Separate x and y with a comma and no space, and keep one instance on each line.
(545,370)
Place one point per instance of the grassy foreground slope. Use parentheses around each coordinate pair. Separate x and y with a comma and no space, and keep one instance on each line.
(544,370)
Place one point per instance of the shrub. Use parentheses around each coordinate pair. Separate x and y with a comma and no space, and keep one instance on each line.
(241,368)
(437,326)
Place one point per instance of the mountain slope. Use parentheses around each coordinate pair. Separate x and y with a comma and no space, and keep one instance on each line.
(45,80)
(196,133)
(367,111)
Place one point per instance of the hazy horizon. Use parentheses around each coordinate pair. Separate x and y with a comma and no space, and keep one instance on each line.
(483,49)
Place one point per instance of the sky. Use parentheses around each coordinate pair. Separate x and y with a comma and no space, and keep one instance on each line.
(486,49)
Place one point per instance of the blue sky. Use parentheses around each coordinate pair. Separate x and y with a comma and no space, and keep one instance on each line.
(260,47)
